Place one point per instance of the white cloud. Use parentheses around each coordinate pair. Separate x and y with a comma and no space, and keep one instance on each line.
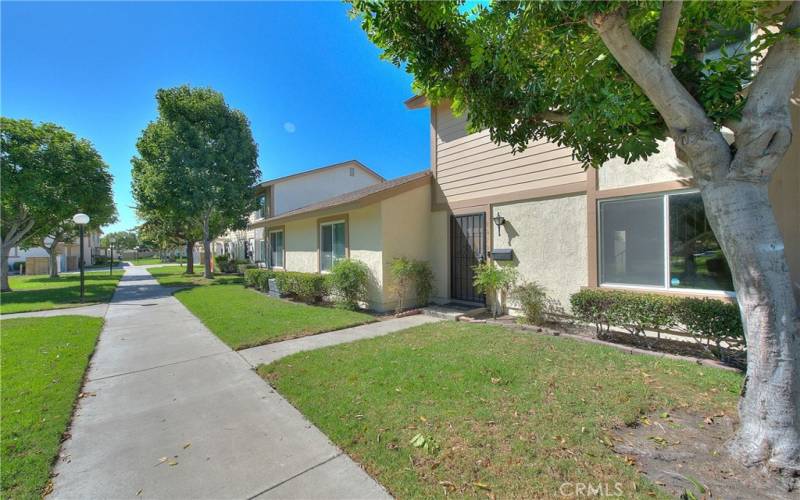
(289,127)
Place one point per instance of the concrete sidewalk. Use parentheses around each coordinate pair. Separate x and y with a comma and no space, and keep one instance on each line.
(172,412)
(271,352)
(98,310)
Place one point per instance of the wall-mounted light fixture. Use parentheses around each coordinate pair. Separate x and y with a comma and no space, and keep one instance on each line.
(499,220)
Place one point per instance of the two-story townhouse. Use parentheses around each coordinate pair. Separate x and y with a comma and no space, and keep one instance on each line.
(640,226)
(283,194)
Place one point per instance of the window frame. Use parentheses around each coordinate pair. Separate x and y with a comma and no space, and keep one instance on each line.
(270,232)
(666,287)
(332,221)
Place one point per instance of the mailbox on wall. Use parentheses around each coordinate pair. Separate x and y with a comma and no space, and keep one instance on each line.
(502,254)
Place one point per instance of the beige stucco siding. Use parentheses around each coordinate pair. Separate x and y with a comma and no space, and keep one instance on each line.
(439,254)
(470,166)
(548,237)
(663,166)
(300,242)
(406,220)
(365,235)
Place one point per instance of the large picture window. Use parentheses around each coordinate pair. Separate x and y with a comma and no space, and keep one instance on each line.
(332,244)
(661,241)
(276,248)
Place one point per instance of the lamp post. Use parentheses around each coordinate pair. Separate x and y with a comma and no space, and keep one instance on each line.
(111,241)
(81,220)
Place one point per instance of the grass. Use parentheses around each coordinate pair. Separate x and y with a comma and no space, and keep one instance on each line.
(43,362)
(502,413)
(245,318)
(38,293)
(145,261)
(176,276)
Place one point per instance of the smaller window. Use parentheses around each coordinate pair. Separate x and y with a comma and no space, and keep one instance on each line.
(261,212)
(332,247)
(276,248)
(352,172)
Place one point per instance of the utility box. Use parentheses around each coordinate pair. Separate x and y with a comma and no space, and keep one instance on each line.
(502,254)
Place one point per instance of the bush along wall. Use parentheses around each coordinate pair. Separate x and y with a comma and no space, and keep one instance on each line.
(714,324)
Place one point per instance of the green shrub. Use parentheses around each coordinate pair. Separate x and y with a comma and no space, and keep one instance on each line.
(308,287)
(532,299)
(402,270)
(423,280)
(490,279)
(711,322)
(241,266)
(348,280)
(258,278)
(225,264)
(407,272)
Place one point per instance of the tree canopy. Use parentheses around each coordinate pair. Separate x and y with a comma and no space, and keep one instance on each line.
(49,175)
(533,70)
(197,164)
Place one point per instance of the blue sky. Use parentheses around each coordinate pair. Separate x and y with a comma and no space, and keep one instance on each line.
(311,83)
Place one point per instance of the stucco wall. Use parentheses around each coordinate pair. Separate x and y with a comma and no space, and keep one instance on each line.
(300,242)
(406,229)
(365,245)
(660,167)
(549,240)
(306,189)
(439,254)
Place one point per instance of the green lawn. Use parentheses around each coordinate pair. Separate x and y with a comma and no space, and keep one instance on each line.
(145,261)
(501,412)
(40,292)
(43,362)
(245,318)
(176,276)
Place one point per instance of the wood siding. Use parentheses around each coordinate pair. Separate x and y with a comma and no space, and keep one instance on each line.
(470,166)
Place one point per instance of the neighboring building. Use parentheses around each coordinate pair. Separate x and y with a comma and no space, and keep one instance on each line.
(640,226)
(278,196)
(36,259)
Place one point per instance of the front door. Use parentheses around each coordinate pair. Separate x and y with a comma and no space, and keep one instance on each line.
(467,249)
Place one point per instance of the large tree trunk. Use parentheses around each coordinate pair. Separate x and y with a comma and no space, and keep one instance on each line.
(52,259)
(190,257)
(206,251)
(742,218)
(4,271)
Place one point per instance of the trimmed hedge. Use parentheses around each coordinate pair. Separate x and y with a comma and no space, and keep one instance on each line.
(710,322)
(308,287)
(258,278)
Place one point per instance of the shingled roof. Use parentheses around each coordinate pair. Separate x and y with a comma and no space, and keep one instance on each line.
(364,196)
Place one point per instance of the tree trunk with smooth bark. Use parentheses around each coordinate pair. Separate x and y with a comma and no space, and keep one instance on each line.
(207,273)
(4,287)
(52,261)
(189,257)
(769,409)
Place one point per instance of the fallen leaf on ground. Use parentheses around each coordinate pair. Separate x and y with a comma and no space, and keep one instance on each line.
(187,445)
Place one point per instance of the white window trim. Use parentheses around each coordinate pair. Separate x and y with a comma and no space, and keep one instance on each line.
(330,223)
(283,250)
(666,287)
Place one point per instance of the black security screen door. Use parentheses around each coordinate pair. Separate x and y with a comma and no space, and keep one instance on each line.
(467,249)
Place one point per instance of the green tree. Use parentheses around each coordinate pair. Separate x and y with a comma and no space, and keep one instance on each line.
(609,79)
(197,165)
(85,186)
(123,240)
(48,176)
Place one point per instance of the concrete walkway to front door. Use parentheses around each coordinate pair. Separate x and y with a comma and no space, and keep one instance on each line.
(169,411)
